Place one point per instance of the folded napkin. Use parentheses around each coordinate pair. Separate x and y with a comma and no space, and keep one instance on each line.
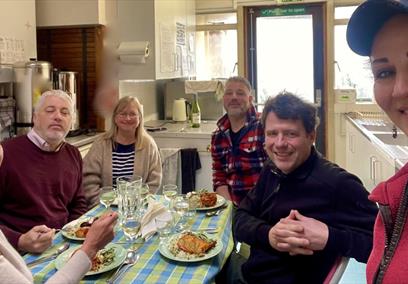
(148,224)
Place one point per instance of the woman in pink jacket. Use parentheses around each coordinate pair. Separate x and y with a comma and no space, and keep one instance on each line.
(379,29)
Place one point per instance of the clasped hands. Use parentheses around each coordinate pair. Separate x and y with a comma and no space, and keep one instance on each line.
(298,234)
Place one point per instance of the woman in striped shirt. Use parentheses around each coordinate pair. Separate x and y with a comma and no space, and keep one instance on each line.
(125,150)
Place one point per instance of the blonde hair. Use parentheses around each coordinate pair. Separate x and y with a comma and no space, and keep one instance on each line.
(140,132)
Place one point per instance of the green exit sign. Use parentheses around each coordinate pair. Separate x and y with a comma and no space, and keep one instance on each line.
(283,11)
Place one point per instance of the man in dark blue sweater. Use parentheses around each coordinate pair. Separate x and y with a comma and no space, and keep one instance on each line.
(304,211)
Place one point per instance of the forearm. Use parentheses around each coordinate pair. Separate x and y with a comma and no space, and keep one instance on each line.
(73,271)
(355,244)
(11,235)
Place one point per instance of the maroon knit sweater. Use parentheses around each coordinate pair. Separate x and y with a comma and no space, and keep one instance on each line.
(38,187)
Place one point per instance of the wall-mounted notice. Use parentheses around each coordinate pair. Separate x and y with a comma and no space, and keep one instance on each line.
(11,50)
(167,49)
(180,34)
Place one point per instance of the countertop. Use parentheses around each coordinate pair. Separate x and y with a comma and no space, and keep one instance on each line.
(399,153)
(83,139)
(169,128)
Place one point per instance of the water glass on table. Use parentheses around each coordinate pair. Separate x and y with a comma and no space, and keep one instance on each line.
(131,226)
(128,193)
(144,192)
(169,192)
(181,207)
(164,224)
(107,195)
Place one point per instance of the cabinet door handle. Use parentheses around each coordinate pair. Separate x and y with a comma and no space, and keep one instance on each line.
(351,143)
(372,167)
(377,171)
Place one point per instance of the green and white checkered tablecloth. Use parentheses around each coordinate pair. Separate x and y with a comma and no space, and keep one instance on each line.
(152,267)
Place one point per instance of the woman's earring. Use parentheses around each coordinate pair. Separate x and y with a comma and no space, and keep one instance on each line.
(394,132)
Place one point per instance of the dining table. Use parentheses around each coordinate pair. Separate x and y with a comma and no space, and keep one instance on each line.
(152,266)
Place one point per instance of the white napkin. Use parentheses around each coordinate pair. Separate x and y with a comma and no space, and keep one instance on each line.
(148,224)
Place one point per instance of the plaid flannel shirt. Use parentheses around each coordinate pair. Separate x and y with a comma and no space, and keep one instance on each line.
(238,168)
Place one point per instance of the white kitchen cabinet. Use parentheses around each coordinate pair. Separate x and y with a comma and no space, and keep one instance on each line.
(181,135)
(169,26)
(366,160)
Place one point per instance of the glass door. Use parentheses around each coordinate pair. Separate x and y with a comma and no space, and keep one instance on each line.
(285,52)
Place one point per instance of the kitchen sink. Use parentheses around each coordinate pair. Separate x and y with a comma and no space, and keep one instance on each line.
(386,138)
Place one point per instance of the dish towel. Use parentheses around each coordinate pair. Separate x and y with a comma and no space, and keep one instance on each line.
(190,163)
(216,86)
(148,224)
(171,166)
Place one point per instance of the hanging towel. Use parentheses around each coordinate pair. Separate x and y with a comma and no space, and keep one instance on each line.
(171,166)
(216,86)
(190,163)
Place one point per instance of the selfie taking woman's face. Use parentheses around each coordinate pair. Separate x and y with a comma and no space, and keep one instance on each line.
(389,63)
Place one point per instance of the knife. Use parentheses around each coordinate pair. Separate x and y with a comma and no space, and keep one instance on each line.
(61,249)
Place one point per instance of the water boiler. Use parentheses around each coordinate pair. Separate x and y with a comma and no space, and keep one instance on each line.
(31,79)
(68,82)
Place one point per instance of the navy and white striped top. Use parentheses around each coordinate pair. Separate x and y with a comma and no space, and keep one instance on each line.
(122,161)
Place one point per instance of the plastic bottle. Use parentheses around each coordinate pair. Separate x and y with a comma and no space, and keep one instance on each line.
(195,113)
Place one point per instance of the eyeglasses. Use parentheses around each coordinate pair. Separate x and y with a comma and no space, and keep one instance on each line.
(131,115)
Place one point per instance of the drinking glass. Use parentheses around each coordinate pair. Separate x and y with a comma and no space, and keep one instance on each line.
(107,196)
(131,226)
(169,192)
(128,195)
(144,192)
(164,224)
(181,206)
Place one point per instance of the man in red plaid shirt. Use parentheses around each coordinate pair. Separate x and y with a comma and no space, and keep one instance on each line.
(237,145)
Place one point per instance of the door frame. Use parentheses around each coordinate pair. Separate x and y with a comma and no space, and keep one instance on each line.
(318,10)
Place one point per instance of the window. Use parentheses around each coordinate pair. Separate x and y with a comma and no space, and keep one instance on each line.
(352,71)
(216,46)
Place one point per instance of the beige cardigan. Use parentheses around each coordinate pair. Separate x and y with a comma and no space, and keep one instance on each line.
(97,169)
(13,269)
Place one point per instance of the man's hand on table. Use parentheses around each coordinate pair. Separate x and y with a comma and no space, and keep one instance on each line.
(36,240)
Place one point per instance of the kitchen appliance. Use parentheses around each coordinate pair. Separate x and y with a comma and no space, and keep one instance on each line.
(31,79)
(211,107)
(68,82)
(7,102)
(180,110)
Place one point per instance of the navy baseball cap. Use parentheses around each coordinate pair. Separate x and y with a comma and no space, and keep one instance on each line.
(368,19)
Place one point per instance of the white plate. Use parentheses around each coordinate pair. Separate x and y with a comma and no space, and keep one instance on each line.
(69,229)
(220,202)
(165,251)
(120,255)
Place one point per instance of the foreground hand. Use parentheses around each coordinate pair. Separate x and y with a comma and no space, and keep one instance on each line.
(36,240)
(100,234)
(315,231)
(288,236)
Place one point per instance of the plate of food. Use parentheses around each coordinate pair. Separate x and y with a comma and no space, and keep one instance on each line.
(188,246)
(106,259)
(206,200)
(77,229)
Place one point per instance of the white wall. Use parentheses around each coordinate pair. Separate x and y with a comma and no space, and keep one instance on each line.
(135,22)
(17,20)
(67,12)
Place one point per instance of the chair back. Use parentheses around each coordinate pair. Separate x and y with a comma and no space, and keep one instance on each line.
(337,270)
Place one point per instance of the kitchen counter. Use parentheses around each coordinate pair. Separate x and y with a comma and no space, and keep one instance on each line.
(169,128)
(83,139)
(379,132)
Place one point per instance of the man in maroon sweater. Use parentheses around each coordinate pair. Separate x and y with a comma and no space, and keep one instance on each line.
(41,177)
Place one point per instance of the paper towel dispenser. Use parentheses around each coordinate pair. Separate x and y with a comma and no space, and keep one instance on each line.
(133,52)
